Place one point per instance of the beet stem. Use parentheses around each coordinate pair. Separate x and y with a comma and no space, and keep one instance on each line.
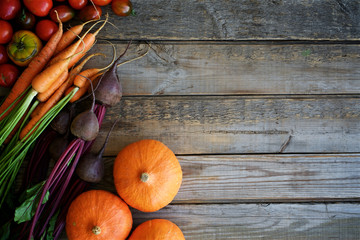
(64,186)
(48,183)
(73,147)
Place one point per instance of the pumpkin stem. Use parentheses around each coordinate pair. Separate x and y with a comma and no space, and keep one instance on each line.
(96,230)
(144,177)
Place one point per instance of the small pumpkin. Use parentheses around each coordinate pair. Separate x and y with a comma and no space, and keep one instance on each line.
(147,175)
(100,215)
(157,229)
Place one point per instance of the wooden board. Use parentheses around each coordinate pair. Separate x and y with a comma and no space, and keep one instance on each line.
(260,102)
(237,124)
(239,20)
(236,68)
(263,178)
(262,221)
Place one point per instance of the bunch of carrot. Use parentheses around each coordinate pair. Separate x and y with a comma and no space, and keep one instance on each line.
(38,96)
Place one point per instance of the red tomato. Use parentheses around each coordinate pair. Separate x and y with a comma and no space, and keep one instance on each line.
(25,20)
(101,2)
(40,8)
(9,9)
(45,29)
(8,74)
(65,13)
(90,13)
(78,4)
(3,55)
(6,32)
(122,7)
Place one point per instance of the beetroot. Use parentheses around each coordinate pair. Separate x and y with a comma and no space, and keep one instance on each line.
(91,165)
(109,90)
(85,126)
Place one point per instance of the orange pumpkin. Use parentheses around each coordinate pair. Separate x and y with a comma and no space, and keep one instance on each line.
(100,215)
(157,229)
(147,175)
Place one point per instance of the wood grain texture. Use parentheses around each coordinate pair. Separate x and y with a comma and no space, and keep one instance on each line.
(239,20)
(237,124)
(262,221)
(262,178)
(237,68)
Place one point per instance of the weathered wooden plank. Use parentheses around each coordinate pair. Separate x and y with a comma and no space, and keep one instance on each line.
(262,178)
(237,68)
(239,20)
(237,124)
(261,221)
(257,221)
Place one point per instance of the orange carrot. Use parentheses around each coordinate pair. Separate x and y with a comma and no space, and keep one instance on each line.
(52,101)
(46,78)
(83,89)
(39,110)
(76,70)
(89,41)
(36,110)
(69,36)
(82,78)
(44,96)
(78,46)
(34,67)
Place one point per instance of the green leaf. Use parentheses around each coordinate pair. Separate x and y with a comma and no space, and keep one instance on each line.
(48,234)
(30,200)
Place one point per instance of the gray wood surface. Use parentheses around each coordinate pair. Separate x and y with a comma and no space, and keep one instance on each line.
(239,20)
(262,178)
(260,102)
(173,68)
(237,124)
(262,221)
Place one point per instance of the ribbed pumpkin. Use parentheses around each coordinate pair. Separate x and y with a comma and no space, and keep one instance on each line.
(100,215)
(147,175)
(157,229)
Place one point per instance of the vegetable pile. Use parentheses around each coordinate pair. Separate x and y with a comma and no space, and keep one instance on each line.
(40,120)
(27,25)
(49,84)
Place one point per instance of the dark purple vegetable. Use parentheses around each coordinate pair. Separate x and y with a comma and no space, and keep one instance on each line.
(91,165)
(109,90)
(58,146)
(85,126)
(90,168)
(61,122)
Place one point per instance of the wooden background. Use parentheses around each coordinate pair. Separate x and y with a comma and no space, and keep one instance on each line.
(260,102)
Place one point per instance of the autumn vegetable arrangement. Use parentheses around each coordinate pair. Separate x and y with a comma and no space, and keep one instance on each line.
(38,121)
(26,25)
(147,176)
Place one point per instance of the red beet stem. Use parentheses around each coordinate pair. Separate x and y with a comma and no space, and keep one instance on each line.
(77,188)
(64,186)
(51,179)
(37,158)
